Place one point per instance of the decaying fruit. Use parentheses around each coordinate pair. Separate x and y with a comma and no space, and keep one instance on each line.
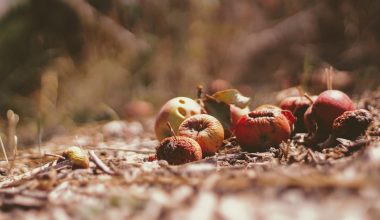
(267,106)
(175,111)
(329,105)
(350,125)
(259,130)
(206,130)
(77,156)
(298,106)
(237,113)
(178,150)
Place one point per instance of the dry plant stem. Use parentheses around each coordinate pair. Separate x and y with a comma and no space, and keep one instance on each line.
(312,155)
(301,92)
(12,181)
(12,138)
(39,128)
(4,152)
(199,91)
(54,155)
(308,97)
(99,163)
(329,77)
(171,129)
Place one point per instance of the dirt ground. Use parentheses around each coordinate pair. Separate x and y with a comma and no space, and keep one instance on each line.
(292,182)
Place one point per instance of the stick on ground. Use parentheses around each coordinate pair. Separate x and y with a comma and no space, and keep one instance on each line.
(99,163)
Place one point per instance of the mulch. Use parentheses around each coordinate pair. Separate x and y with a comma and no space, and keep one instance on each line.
(291,182)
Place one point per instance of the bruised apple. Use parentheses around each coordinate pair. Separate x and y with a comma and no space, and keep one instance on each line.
(175,111)
(237,113)
(262,129)
(206,130)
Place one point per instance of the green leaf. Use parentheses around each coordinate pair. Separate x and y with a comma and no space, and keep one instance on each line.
(232,96)
(219,110)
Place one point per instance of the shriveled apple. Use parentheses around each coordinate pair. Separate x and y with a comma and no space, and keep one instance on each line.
(206,130)
(175,111)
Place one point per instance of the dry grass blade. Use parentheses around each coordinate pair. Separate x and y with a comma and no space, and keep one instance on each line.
(4,151)
(12,138)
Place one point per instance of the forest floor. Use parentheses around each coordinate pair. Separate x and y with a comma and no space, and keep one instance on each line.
(292,182)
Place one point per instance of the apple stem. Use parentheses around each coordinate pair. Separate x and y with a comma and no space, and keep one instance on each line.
(199,91)
(171,129)
(301,91)
(54,155)
(329,78)
(308,97)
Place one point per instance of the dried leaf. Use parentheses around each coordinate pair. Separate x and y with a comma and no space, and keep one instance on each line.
(219,110)
(232,96)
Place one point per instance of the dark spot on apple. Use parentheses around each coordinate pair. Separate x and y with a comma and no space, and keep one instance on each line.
(182,111)
(260,114)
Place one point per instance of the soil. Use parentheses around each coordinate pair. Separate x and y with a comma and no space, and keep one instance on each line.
(290,182)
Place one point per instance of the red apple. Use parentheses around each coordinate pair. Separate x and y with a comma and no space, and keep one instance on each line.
(267,107)
(297,106)
(329,105)
(206,130)
(309,121)
(237,113)
(262,129)
(289,115)
(175,111)
(178,150)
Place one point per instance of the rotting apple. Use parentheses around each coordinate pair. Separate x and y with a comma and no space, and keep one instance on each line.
(175,111)
(206,130)
(288,114)
(267,107)
(237,113)
(298,106)
(178,150)
(350,125)
(308,121)
(329,105)
(77,156)
(262,129)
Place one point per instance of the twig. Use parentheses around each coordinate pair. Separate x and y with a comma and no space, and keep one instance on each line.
(308,97)
(312,155)
(31,174)
(329,78)
(55,155)
(171,129)
(99,163)
(12,138)
(4,152)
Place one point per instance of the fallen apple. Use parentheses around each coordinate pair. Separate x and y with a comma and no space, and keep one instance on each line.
(206,130)
(262,129)
(175,111)
(178,150)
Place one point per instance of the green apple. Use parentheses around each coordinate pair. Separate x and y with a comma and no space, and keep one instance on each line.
(175,111)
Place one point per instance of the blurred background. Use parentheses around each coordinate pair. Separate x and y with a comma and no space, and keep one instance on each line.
(68,62)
